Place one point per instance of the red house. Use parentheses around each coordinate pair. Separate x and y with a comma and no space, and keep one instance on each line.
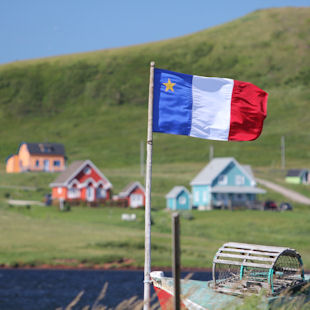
(134,194)
(82,181)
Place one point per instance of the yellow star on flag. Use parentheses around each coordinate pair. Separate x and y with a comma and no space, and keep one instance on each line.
(169,85)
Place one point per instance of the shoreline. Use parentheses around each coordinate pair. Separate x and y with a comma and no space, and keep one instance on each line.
(103,267)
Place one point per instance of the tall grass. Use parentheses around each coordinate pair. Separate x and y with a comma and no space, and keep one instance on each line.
(132,303)
(285,301)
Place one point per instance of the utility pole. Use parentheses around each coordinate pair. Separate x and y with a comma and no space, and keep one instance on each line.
(211,153)
(283,152)
(142,158)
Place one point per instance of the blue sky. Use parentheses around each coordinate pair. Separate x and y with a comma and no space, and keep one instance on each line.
(41,28)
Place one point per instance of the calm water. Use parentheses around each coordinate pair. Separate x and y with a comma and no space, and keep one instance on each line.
(51,289)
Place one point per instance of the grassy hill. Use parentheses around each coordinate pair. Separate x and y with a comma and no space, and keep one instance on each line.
(96,103)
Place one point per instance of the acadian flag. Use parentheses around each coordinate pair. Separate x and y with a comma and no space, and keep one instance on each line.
(207,107)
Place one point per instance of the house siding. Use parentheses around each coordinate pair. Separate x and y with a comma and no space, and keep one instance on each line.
(137,191)
(82,176)
(201,195)
(24,157)
(41,158)
(180,202)
(170,203)
(12,164)
(232,173)
(59,193)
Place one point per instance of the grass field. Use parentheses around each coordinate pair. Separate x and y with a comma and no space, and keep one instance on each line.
(44,235)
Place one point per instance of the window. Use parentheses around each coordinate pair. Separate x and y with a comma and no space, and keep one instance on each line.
(182,200)
(222,179)
(222,196)
(101,193)
(240,196)
(197,196)
(56,163)
(239,179)
(73,192)
(87,170)
(59,190)
(136,200)
(37,163)
(204,196)
(46,164)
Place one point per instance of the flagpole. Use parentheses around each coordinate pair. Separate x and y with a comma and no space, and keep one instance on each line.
(148,185)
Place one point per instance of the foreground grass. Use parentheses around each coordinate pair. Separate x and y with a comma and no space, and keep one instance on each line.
(43,235)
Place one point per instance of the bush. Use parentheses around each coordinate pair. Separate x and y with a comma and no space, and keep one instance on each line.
(7,195)
(187,216)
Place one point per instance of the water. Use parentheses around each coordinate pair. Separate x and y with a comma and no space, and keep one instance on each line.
(51,289)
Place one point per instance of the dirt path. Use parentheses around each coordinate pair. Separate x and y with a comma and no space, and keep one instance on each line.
(285,191)
(24,202)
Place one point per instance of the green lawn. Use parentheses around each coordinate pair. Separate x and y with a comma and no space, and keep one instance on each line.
(97,235)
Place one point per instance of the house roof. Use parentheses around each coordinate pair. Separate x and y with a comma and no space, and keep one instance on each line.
(214,169)
(129,188)
(295,172)
(237,190)
(45,148)
(176,191)
(248,169)
(66,176)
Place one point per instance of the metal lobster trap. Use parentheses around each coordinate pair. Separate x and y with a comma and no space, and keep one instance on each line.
(242,269)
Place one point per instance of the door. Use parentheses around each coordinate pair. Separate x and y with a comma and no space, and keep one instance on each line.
(136,200)
(90,193)
(46,165)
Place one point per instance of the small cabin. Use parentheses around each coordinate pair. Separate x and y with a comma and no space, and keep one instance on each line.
(48,157)
(179,198)
(82,181)
(133,194)
(298,176)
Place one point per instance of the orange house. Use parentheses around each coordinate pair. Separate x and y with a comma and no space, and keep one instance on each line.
(82,181)
(134,194)
(48,157)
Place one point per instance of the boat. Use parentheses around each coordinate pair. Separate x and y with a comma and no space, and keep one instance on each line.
(240,270)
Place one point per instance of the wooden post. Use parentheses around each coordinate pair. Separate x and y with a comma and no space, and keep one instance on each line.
(148,185)
(176,259)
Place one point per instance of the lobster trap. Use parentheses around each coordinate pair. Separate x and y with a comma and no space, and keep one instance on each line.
(242,269)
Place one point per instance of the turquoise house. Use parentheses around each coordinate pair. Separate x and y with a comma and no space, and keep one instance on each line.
(298,176)
(224,183)
(179,198)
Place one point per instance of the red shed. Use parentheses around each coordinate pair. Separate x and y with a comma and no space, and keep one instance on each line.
(82,181)
(134,193)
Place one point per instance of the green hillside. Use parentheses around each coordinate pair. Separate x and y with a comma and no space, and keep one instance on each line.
(96,103)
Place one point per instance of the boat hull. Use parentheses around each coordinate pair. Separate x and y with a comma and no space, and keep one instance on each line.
(197,295)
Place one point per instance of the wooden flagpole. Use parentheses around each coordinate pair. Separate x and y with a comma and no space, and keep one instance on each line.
(148,185)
